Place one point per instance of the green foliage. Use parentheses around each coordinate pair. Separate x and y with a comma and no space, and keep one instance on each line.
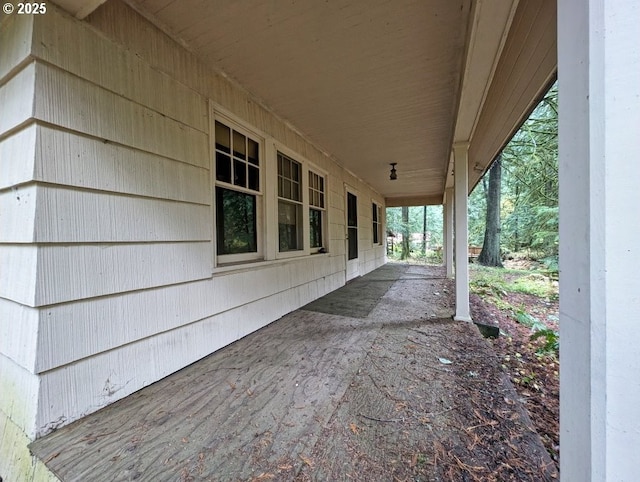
(529,207)
(539,330)
(415,225)
(495,283)
(551,341)
(499,281)
(534,284)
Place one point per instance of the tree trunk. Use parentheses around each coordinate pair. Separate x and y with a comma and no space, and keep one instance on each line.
(405,233)
(490,254)
(424,230)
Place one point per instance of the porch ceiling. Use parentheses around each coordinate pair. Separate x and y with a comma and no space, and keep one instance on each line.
(370,82)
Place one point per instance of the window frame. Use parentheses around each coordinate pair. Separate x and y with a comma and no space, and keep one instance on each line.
(307,166)
(296,201)
(321,209)
(259,195)
(376,220)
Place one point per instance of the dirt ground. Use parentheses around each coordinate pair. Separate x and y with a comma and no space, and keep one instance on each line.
(452,413)
(535,377)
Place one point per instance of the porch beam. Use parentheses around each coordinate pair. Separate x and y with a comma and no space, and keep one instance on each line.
(448,231)
(461,190)
(79,8)
(599,99)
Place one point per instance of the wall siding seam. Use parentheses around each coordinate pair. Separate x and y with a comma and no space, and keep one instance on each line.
(42,61)
(44,123)
(48,64)
(106,192)
(18,110)
(43,113)
(301,284)
(6,25)
(17,128)
(236,332)
(93,30)
(52,367)
(19,67)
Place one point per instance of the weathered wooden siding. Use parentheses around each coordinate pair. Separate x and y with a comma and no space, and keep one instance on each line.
(106,204)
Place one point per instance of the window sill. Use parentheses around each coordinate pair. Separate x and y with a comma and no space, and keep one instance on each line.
(253,264)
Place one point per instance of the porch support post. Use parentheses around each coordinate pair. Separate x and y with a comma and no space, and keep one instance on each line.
(448,231)
(461,188)
(599,99)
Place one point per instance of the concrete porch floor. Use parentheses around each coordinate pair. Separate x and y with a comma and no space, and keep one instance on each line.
(354,386)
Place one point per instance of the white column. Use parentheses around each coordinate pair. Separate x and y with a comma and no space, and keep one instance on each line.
(599,106)
(461,188)
(447,236)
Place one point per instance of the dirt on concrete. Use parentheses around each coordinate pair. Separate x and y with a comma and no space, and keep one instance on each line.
(393,390)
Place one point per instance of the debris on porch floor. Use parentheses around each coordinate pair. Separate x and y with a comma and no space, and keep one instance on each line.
(389,388)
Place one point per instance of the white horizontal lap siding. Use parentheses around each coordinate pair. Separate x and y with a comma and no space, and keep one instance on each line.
(63,215)
(17,99)
(75,48)
(19,395)
(71,272)
(76,104)
(94,382)
(19,333)
(15,41)
(19,272)
(17,157)
(63,157)
(72,331)
(18,214)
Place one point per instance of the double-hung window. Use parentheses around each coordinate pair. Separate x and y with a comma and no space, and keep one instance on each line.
(376,216)
(238,194)
(290,234)
(316,210)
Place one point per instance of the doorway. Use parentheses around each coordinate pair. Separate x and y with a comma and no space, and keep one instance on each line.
(353,269)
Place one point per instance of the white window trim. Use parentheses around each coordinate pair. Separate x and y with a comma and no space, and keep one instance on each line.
(380,233)
(306,237)
(324,210)
(232,122)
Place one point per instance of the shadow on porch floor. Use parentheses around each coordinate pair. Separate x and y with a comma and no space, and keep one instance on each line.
(372,382)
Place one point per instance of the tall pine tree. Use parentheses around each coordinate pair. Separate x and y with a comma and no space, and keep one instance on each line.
(490,254)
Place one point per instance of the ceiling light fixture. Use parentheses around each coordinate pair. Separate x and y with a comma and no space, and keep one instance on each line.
(393,175)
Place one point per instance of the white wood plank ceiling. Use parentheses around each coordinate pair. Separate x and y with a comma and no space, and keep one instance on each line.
(377,81)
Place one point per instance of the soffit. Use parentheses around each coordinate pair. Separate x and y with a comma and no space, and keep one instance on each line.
(370,82)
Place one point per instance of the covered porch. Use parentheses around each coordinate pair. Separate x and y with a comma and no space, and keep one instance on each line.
(384,388)
(132,132)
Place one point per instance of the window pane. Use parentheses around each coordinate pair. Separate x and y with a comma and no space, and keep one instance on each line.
(254,152)
(375,212)
(353,243)
(295,171)
(223,167)
(352,210)
(239,145)
(239,173)
(254,178)
(321,203)
(289,226)
(235,222)
(315,227)
(295,191)
(223,141)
